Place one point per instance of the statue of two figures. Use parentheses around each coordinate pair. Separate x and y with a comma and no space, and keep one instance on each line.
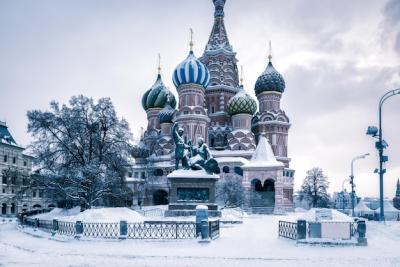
(194,158)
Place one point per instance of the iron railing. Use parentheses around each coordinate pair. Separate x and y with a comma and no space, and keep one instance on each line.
(142,230)
(162,230)
(288,230)
(66,228)
(103,230)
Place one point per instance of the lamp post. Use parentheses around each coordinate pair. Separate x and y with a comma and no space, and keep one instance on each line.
(352,180)
(343,204)
(380,145)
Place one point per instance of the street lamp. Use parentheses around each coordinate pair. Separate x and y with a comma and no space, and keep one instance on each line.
(380,145)
(352,180)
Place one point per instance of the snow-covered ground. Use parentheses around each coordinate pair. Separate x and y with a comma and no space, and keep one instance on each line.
(253,243)
(92,215)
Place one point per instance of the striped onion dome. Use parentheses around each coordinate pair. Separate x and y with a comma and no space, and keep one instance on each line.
(158,96)
(242,103)
(167,114)
(191,70)
(270,81)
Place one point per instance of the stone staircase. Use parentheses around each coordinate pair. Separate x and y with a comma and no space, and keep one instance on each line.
(261,203)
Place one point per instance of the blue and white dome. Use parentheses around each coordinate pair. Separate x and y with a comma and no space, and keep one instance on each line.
(191,70)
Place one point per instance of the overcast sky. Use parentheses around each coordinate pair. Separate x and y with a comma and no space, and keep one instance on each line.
(338,57)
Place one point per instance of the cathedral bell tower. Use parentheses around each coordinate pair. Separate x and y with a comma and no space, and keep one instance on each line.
(221,61)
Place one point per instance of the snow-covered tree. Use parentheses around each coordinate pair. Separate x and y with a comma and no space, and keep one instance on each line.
(231,191)
(314,188)
(81,150)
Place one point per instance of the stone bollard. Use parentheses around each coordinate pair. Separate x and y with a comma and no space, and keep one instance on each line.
(361,230)
(201,214)
(123,229)
(78,229)
(205,232)
(55,227)
(301,229)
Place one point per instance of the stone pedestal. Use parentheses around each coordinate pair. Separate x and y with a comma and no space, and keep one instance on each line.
(189,189)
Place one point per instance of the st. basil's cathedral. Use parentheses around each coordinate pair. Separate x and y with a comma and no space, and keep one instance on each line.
(213,105)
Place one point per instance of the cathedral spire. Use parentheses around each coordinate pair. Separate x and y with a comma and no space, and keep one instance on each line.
(219,8)
(398,188)
(218,37)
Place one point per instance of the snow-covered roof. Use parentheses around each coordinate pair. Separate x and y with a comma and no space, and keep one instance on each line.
(181,173)
(337,216)
(387,207)
(263,156)
(231,153)
(232,160)
(362,207)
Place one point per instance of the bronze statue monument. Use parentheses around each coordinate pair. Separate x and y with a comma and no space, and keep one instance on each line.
(198,158)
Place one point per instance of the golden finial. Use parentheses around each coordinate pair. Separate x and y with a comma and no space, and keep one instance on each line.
(241,75)
(159,64)
(191,39)
(270,51)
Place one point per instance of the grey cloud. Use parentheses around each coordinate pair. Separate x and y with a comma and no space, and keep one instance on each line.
(391,24)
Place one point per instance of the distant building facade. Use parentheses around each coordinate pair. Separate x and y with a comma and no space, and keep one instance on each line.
(214,106)
(16,195)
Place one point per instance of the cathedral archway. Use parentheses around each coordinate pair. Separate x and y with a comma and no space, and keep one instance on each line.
(269,185)
(4,209)
(256,185)
(160,197)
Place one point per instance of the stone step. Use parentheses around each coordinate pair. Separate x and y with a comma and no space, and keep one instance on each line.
(260,210)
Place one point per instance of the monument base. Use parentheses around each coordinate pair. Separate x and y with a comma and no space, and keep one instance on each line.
(189,189)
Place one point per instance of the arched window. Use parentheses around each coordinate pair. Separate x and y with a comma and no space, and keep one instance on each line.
(269,185)
(225,169)
(4,209)
(256,185)
(12,208)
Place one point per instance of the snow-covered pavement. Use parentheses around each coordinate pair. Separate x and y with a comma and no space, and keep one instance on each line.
(254,243)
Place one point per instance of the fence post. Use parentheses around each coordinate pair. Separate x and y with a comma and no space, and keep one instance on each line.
(36,223)
(205,232)
(55,227)
(123,229)
(78,229)
(201,214)
(361,230)
(301,229)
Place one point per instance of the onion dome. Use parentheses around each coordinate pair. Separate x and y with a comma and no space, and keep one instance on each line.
(157,96)
(270,81)
(242,103)
(167,114)
(140,150)
(191,70)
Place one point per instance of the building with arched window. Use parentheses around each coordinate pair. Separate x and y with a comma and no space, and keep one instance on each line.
(211,103)
(15,170)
